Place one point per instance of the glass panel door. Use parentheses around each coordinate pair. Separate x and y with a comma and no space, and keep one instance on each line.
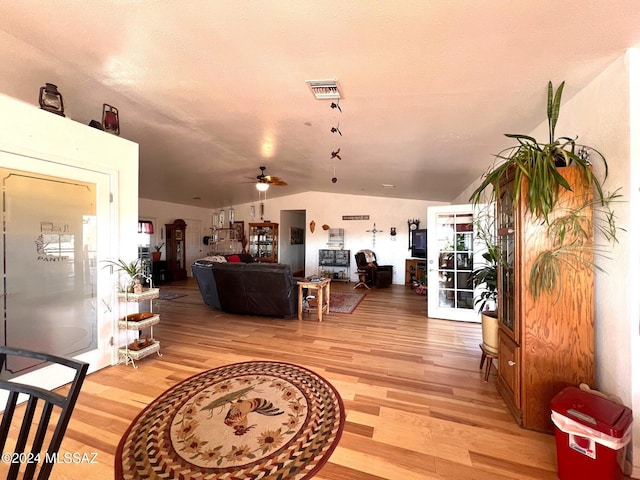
(56,296)
(450,247)
(506,274)
(49,241)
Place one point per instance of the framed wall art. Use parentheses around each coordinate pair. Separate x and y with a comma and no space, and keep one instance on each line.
(297,236)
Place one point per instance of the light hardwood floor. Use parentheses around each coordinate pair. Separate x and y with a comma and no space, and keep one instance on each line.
(416,404)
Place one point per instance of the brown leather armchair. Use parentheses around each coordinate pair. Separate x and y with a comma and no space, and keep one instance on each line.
(376,275)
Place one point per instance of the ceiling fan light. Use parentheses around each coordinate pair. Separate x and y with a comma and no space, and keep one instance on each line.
(262,186)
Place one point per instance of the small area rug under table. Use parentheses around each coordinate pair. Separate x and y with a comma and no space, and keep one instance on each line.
(344,302)
(266,420)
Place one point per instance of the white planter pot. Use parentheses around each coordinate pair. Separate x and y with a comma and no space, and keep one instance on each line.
(490,331)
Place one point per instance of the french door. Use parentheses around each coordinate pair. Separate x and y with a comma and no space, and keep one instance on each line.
(450,253)
(57,298)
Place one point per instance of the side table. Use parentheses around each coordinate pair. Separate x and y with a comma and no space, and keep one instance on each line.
(324,289)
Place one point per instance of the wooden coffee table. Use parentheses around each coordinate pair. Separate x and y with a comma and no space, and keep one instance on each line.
(324,289)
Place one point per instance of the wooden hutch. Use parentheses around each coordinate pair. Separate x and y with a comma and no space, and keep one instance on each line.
(545,343)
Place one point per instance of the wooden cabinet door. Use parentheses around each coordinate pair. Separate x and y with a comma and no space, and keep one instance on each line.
(509,368)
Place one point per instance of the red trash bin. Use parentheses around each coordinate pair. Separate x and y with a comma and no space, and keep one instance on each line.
(592,433)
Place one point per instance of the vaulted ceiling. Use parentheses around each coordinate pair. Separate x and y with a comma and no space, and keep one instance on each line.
(211,89)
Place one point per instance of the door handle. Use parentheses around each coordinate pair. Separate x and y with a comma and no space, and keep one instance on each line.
(511,363)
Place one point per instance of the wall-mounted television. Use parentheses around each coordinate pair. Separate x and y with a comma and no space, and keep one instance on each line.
(419,243)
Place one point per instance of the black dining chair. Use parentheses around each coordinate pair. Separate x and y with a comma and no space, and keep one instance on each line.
(35,452)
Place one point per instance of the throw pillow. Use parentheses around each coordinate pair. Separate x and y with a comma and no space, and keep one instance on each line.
(233,259)
(215,258)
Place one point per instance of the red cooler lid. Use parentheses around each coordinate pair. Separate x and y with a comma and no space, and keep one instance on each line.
(593,411)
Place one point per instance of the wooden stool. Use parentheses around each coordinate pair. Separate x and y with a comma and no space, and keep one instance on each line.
(362,275)
(488,356)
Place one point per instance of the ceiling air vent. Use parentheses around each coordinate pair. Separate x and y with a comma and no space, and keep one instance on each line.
(325,89)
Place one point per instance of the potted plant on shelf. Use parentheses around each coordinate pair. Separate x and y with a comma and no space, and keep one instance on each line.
(155,256)
(538,166)
(132,271)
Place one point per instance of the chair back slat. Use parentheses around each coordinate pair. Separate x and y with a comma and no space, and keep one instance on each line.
(7,416)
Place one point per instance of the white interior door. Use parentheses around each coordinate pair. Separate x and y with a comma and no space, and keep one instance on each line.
(450,245)
(56,296)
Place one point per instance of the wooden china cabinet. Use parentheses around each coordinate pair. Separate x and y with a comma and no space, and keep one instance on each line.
(263,242)
(547,343)
(176,258)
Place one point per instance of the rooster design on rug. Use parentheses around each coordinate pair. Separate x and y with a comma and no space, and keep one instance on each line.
(238,412)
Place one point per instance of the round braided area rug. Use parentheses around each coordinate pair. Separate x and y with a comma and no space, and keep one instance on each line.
(251,420)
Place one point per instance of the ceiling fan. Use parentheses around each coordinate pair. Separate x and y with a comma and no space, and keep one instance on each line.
(264,181)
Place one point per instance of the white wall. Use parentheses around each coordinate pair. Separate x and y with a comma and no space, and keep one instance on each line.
(634,250)
(323,208)
(328,208)
(162,213)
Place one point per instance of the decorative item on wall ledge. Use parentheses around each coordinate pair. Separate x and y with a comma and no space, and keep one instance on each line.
(51,99)
(110,119)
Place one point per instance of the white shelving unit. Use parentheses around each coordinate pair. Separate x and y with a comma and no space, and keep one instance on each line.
(334,264)
(142,346)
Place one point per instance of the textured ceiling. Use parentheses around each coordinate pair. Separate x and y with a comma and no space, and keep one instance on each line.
(213,89)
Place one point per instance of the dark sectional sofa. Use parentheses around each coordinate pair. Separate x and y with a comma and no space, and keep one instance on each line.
(264,289)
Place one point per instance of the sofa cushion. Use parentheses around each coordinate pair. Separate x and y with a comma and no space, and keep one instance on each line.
(215,258)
